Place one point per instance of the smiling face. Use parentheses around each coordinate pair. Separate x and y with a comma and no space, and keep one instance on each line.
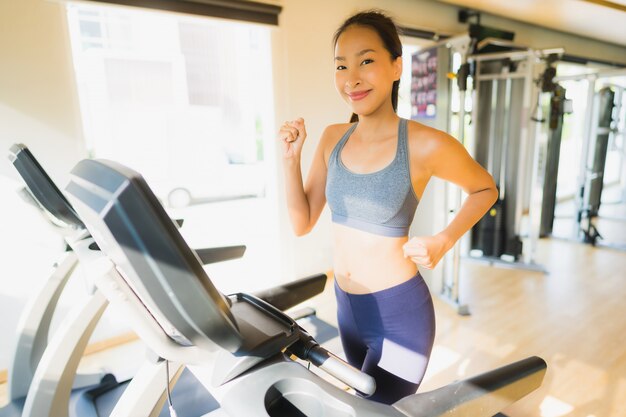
(365,71)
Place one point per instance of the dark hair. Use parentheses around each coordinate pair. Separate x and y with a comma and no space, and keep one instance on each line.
(385,27)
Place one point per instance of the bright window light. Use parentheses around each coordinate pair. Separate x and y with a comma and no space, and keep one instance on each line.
(186,101)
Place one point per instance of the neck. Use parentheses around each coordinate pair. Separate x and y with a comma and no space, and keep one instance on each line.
(378,124)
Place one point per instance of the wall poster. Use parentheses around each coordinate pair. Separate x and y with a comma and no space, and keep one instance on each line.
(424,84)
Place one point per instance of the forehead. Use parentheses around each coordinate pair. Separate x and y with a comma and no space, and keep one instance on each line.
(357,38)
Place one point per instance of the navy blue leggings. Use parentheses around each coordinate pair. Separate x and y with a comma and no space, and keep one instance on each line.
(389,335)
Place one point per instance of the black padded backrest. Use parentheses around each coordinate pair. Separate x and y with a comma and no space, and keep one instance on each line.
(42,188)
(132,228)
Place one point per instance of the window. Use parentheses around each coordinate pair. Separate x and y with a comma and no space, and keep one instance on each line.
(187,102)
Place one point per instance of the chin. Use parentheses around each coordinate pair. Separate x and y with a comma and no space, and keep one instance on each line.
(363,113)
(361,110)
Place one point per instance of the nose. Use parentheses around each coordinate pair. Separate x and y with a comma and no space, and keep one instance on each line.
(353,79)
(352,84)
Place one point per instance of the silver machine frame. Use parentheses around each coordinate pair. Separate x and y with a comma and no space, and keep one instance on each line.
(453,195)
(531,64)
(590,131)
(529,135)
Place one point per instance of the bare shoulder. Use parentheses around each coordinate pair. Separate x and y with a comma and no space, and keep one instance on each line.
(426,135)
(425,140)
(331,136)
(334,132)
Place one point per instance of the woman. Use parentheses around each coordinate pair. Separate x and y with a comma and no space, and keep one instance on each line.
(373,172)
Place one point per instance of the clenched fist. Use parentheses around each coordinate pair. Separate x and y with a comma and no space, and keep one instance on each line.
(292,135)
(427,251)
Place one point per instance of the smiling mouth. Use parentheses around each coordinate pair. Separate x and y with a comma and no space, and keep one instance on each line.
(358,95)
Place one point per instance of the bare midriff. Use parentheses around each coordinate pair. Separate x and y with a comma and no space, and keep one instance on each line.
(366,262)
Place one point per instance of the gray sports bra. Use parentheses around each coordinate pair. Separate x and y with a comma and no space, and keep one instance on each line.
(381,202)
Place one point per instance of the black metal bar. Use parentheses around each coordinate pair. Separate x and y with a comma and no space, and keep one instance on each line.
(293,293)
(480,396)
(220,254)
(584,61)
(421,34)
(249,11)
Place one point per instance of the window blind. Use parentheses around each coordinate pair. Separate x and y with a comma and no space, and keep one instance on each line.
(248,11)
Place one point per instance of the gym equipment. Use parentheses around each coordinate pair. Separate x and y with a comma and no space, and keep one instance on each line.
(32,338)
(461,45)
(506,134)
(555,128)
(34,324)
(592,192)
(238,346)
(50,395)
(500,71)
(603,126)
(441,58)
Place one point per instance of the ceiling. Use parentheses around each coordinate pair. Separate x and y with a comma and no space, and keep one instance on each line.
(603,20)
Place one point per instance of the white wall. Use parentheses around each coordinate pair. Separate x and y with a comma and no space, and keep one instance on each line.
(38,100)
(39,107)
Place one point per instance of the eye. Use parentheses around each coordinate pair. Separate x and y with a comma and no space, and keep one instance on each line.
(367,61)
(341,67)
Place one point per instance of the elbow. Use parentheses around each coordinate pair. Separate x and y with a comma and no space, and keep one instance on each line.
(301,224)
(495,191)
(495,194)
(301,231)
(495,198)
(489,192)
(492,189)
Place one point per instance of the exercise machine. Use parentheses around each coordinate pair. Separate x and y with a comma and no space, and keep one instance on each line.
(34,325)
(31,391)
(507,90)
(238,346)
(557,106)
(603,132)
(497,128)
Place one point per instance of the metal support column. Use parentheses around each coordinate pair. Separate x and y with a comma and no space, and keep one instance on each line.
(452,261)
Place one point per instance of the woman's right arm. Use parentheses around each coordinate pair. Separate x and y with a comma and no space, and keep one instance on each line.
(304,201)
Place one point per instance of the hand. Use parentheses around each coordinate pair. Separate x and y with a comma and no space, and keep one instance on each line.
(292,135)
(427,251)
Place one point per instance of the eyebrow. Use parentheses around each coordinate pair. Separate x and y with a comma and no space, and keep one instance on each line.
(363,52)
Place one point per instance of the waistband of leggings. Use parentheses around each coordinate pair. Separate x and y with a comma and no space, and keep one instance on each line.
(396,290)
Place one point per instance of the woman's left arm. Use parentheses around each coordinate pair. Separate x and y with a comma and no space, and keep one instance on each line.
(445,157)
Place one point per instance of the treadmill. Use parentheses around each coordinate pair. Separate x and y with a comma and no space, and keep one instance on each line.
(239,347)
(91,394)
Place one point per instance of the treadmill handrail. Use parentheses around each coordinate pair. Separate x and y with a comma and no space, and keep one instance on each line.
(288,295)
(483,395)
(220,254)
(309,350)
